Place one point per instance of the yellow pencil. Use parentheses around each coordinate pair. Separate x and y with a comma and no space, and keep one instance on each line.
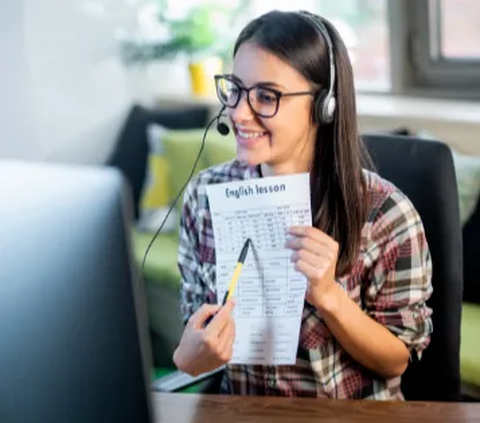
(236,273)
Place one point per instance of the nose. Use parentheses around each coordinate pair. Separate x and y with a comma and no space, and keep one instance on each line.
(243,112)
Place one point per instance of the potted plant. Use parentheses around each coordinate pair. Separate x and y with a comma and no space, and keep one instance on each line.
(198,36)
(202,38)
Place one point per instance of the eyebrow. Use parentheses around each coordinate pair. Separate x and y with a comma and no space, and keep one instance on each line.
(260,83)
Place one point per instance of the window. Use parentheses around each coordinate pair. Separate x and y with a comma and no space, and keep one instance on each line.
(406,46)
(445,52)
(362,24)
(459,29)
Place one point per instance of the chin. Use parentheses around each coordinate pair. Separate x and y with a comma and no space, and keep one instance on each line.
(250,158)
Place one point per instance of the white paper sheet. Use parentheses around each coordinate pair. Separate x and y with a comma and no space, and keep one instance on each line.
(270,292)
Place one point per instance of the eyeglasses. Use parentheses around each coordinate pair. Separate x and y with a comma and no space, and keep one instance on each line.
(264,101)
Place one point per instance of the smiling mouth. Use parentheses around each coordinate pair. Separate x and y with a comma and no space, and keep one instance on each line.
(249,135)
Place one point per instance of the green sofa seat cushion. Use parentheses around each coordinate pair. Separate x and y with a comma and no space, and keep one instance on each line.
(470,344)
(161,263)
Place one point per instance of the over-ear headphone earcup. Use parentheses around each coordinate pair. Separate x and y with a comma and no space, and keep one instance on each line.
(328,109)
(318,107)
(324,108)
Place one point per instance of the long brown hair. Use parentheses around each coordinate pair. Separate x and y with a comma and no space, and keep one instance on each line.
(338,190)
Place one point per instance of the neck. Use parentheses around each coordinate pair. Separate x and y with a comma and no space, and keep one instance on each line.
(288,168)
(299,162)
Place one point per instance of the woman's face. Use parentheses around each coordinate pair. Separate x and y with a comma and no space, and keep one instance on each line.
(284,142)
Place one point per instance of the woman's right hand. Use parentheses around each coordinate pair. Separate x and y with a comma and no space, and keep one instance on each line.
(204,348)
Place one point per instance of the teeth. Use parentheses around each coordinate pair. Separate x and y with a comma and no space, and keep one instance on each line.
(250,135)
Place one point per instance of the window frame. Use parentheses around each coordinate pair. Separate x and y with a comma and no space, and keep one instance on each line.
(418,69)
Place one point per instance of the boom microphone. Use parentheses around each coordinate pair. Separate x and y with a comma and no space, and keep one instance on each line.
(222,128)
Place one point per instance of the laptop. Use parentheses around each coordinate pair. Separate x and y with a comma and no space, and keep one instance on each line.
(73,329)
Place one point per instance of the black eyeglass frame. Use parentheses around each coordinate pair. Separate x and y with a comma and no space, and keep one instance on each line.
(278,94)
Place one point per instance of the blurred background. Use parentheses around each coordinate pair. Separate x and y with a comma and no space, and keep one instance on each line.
(129,83)
(71,69)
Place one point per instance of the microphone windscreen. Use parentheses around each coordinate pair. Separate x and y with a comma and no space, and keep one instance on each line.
(223,129)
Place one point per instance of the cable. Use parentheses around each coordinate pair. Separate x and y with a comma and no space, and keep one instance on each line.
(216,118)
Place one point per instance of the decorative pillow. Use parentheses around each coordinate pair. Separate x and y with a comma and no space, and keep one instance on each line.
(467,170)
(131,147)
(182,148)
(156,197)
(220,149)
(172,153)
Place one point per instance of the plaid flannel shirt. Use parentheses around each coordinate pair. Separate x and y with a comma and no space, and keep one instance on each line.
(391,282)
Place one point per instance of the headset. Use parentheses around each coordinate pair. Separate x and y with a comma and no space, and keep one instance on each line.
(325,102)
(323,113)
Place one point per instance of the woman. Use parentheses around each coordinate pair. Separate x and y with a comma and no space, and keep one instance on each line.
(366,258)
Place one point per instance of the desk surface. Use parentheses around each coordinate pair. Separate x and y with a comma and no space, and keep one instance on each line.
(192,408)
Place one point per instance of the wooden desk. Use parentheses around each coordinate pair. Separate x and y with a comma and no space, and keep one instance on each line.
(191,408)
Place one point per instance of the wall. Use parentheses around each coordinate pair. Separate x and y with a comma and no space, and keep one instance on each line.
(66,89)
(16,109)
(455,122)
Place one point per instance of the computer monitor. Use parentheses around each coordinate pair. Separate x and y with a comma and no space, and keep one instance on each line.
(73,332)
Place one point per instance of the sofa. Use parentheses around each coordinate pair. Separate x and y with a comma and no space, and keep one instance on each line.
(181,130)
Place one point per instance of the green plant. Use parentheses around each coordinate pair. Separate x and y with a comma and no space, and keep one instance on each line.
(205,30)
(197,32)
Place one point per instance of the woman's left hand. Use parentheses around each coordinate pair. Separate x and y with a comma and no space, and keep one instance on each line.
(315,255)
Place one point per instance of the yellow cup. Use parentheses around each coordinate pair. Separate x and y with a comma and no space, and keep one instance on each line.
(201,75)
